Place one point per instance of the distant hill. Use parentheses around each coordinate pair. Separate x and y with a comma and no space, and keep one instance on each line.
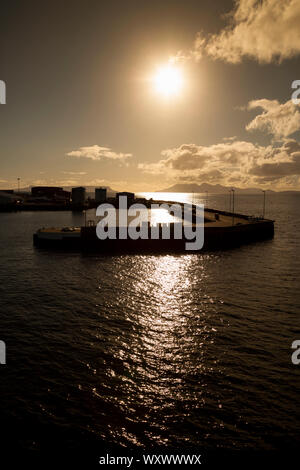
(211,188)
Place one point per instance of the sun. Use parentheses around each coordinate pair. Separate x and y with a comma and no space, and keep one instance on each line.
(168,80)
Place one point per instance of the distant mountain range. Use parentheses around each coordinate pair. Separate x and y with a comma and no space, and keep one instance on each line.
(211,188)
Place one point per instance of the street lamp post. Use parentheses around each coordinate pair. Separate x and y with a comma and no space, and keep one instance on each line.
(18,184)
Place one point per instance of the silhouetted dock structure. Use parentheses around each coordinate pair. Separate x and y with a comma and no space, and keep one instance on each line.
(222,230)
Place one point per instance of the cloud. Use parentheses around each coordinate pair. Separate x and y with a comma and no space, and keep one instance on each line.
(240,162)
(192,157)
(202,162)
(196,53)
(280,120)
(264,30)
(79,173)
(233,162)
(230,139)
(153,168)
(285,161)
(94,152)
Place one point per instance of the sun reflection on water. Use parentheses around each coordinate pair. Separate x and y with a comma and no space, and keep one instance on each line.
(170,335)
(158,346)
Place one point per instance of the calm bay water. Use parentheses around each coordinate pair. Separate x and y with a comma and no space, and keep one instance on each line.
(151,351)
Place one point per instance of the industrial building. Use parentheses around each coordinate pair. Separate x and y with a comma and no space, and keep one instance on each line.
(78,195)
(7,197)
(9,200)
(7,191)
(100,195)
(52,193)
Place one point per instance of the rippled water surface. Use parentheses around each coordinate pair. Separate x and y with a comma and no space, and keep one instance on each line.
(152,350)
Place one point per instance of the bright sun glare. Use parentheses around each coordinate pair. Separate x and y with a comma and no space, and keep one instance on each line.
(168,80)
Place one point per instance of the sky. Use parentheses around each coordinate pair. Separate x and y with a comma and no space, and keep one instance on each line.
(83,106)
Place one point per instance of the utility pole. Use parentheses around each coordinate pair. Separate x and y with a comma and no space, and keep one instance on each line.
(229,200)
(232,206)
(18,184)
(264,205)
(206,198)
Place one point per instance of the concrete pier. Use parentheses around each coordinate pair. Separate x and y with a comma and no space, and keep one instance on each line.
(222,230)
